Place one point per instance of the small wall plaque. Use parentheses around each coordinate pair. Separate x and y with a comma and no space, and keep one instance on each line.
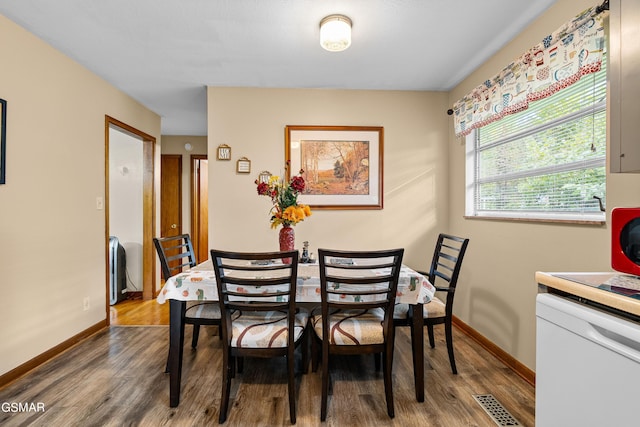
(224,152)
(243,165)
(264,176)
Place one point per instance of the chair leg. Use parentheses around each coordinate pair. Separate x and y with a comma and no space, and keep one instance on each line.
(196,334)
(232,366)
(388,386)
(226,388)
(417,351)
(449,335)
(305,351)
(325,381)
(432,341)
(314,353)
(292,385)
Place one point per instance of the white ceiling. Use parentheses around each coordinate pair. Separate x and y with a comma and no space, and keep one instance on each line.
(164,53)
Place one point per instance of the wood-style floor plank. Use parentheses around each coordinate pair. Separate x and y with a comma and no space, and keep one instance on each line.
(139,313)
(116,378)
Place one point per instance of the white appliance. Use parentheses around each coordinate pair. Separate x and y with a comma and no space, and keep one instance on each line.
(587,365)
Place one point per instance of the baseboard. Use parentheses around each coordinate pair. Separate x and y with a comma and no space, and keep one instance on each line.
(16,373)
(135,295)
(521,370)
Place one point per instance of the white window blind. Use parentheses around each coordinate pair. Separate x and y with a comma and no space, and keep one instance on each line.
(545,162)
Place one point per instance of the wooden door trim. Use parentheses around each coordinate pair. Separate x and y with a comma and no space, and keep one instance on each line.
(195,205)
(148,209)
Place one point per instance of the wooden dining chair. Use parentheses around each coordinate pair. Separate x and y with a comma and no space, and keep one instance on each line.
(175,254)
(358,291)
(443,274)
(257,299)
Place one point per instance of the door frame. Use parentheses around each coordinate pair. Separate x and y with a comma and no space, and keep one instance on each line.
(148,209)
(196,209)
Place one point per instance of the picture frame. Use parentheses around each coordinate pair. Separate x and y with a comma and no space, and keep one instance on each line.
(243,165)
(224,152)
(264,176)
(3,140)
(342,165)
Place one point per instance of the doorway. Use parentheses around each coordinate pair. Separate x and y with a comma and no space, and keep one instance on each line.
(143,251)
(171,201)
(170,195)
(183,190)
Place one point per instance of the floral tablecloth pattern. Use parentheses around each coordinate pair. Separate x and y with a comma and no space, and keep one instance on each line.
(199,284)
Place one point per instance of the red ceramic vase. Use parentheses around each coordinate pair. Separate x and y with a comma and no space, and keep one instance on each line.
(287,241)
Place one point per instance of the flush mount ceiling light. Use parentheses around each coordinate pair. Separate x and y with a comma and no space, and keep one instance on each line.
(335,33)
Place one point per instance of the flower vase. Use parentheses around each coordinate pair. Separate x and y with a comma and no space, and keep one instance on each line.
(287,241)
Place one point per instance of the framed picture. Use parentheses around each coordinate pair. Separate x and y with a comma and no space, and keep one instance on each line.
(3,140)
(342,165)
(264,176)
(243,165)
(224,152)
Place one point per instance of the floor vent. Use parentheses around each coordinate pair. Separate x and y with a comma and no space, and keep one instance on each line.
(495,410)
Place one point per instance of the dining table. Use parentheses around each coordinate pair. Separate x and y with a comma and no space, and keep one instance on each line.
(199,284)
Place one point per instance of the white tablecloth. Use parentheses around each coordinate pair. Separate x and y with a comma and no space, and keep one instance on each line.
(199,284)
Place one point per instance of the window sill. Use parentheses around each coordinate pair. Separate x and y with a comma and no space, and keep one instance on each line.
(539,220)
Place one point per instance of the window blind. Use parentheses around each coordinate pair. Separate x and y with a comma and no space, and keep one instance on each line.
(547,161)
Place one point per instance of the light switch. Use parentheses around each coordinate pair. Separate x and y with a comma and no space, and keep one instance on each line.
(99,203)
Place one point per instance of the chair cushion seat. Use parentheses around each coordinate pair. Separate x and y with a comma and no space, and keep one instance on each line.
(265,329)
(434,308)
(353,327)
(202,310)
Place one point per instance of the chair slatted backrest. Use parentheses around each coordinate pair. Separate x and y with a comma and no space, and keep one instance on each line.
(359,279)
(175,253)
(250,281)
(446,262)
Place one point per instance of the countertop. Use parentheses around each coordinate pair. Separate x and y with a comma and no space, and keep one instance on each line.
(614,290)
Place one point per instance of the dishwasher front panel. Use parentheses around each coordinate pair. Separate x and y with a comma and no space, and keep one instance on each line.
(587,366)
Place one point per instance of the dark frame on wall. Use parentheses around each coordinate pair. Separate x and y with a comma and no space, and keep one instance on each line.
(3,141)
(342,165)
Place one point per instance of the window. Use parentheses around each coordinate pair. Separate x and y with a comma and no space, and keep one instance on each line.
(546,162)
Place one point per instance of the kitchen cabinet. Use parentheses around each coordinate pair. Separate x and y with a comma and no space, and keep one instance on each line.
(624,69)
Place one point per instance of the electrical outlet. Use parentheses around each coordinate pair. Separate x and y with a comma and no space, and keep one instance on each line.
(86,304)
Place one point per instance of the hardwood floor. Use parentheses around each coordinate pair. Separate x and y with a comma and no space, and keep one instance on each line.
(139,313)
(116,378)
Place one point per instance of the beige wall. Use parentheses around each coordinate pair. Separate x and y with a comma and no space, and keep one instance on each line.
(252,122)
(53,246)
(498,291)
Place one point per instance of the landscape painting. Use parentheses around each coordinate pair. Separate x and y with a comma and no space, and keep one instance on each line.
(341,165)
(335,167)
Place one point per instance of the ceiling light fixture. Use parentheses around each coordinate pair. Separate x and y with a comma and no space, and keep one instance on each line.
(335,33)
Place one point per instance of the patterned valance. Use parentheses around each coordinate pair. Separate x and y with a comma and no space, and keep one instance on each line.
(560,60)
